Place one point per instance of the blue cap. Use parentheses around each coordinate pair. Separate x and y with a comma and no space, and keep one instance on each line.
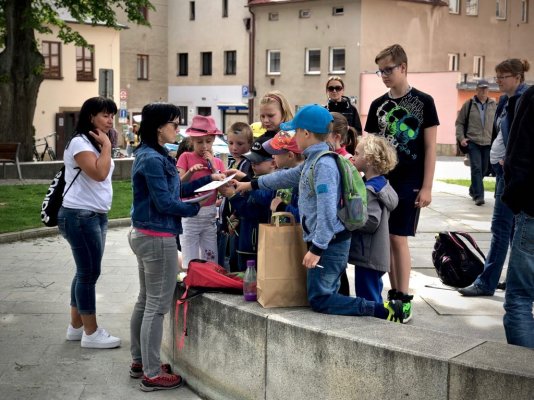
(312,117)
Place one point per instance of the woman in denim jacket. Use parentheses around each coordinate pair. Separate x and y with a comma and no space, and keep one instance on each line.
(156,220)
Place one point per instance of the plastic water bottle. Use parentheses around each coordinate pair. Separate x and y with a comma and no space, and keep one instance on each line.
(249,281)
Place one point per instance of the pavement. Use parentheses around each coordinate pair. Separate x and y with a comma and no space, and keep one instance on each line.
(35,275)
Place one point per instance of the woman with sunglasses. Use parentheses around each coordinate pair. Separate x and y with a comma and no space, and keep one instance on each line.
(337,102)
(157,213)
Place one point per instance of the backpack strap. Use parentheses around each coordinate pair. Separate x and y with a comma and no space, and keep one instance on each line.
(79,170)
(311,179)
(466,122)
(181,300)
(470,239)
(185,301)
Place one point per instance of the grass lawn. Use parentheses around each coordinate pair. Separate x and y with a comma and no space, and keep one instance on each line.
(20,205)
(489,183)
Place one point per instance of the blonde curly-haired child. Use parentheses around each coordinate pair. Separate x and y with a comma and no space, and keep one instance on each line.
(369,249)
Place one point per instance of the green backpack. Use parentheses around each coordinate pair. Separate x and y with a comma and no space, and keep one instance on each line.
(352,210)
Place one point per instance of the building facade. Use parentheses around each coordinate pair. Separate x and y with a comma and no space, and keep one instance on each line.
(208,59)
(72,75)
(144,59)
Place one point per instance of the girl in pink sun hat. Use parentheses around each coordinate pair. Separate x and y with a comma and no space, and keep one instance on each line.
(199,238)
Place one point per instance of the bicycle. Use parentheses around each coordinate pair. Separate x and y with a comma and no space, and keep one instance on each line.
(46,151)
(117,153)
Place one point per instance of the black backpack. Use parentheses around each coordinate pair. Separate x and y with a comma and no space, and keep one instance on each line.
(54,198)
(455,263)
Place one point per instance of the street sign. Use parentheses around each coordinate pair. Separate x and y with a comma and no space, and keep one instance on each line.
(123,104)
(123,94)
(244,91)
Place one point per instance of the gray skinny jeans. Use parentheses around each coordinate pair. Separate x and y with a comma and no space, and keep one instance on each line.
(157,259)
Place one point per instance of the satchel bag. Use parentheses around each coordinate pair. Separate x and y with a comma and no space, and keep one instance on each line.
(54,197)
(281,279)
(455,263)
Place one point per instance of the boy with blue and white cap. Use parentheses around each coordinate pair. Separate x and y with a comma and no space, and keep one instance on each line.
(328,240)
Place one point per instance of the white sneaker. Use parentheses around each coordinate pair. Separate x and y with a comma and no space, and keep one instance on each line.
(74,333)
(100,339)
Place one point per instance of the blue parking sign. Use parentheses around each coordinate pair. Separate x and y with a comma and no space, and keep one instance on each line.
(244,91)
(123,113)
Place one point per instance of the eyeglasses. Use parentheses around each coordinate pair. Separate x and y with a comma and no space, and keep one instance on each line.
(500,78)
(175,124)
(387,71)
(335,88)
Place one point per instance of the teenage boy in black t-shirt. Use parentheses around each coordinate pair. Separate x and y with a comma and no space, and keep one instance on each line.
(408,118)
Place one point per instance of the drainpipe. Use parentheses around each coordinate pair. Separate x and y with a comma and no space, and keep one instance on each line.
(251,54)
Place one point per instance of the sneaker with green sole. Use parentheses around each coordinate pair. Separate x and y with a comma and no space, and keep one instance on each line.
(395,311)
(406,306)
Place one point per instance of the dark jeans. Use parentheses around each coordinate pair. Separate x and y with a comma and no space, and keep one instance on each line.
(323,284)
(479,159)
(502,226)
(86,233)
(518,319)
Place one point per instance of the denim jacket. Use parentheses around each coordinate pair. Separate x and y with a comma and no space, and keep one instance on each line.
(156,193)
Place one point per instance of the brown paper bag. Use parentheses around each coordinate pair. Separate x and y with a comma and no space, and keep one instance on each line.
(281,275)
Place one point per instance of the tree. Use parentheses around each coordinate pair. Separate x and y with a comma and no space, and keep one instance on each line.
(21,63)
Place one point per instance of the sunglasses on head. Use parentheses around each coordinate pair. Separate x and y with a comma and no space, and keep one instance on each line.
(335,88)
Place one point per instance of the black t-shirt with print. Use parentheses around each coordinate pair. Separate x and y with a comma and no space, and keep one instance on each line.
(402,121)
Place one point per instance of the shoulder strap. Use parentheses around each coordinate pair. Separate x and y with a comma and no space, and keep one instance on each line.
(312,167)
(466,123)
(470,239)
(79,170)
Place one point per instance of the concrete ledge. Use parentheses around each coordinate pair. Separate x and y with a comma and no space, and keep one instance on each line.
(238,350)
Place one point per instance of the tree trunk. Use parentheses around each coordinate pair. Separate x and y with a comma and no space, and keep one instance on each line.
(21,74)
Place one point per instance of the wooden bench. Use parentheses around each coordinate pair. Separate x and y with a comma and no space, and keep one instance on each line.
(9,153)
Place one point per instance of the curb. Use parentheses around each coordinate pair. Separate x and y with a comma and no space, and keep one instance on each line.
(11,237)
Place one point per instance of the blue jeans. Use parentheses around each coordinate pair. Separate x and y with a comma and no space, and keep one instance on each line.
(369,284)
(323,284)
(518,319)
(502,225)
(157,261)
(86,233)
(478,159)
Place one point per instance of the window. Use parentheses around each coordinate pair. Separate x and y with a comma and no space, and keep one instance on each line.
(191,10)
(225,8)
(273,62)
(338,11)
(313,61)
(524,11)
(183,64)
(304,13)
(337,60)
(204,111)
(471,7)
(105,83)
(183,115)
(273,16)
(85,63)
(144,12)
(453,61)
(142,67)
(230,60)
(478,66)
(454,6)
(206,63)
(500,9)
(52,58)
